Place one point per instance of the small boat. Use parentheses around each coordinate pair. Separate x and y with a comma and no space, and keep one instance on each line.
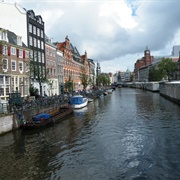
(109,91)
(90,99)
(78,101)
(45,119)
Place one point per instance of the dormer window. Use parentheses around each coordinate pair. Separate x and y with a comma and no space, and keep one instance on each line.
(3,35)
(19,41)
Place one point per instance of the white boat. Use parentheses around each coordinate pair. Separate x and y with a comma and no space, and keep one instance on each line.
(78,101)
(90,99)
(109,91)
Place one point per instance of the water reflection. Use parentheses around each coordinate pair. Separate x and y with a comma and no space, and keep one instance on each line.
(130,134)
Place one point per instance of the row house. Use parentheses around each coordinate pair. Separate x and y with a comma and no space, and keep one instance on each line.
(92,72)
(51,88)
(31,28)
(73,63)
(60,71)
(67,62)
(36,42)
(14,65)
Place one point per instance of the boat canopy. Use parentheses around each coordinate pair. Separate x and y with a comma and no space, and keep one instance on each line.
(76,100)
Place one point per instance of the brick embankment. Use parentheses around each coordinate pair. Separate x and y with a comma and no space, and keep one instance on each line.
(11,122)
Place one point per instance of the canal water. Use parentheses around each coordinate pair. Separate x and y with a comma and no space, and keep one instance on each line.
(130,134)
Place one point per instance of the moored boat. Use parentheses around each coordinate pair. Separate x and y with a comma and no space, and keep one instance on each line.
(109,91)
(45,119)
(78,101)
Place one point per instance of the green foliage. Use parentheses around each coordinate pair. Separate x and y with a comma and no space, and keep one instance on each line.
(33,91)
(36,74)
(154,74)
(69,85)
(166,68)
(103,79)
(84,78)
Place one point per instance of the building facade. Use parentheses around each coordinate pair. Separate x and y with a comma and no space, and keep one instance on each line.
(31,28)
(14,62)
(52,87)
(92,74)
(73,63)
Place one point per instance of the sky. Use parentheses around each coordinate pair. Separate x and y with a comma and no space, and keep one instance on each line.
(114,33)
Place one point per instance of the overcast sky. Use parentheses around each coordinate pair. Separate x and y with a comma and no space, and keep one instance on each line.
(114,33)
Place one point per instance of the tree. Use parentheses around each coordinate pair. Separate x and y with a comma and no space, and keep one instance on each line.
(84,78)
(154,74)
(166,68)
(69,84)
(33,91)
(119,77)
(36,74)
(103,79)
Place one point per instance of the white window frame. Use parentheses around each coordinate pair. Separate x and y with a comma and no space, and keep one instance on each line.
(27,54)
(5,64)
(19,41)
(13,50)
(20,66)
(5,50)
(20,53)
(13,65)
(3,35)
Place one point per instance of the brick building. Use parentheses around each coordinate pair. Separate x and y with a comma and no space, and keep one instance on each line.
(14,65)
(73,63)
(142,63)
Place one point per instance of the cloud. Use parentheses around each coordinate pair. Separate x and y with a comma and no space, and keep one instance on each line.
(112,32)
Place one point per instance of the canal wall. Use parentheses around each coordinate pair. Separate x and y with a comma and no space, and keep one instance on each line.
(170,90)
(150,86)
(11,122)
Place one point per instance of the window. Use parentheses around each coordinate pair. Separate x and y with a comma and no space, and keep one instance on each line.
(13,65)
(30,41)
(27,67)
(39,56)
(42,45)
(42,57)
(5,64)
(3,35)
(34,30)
(13,50)
(20,53)
(30,28)
(38,32)
(42,34)
(27,54)
(38,43)
(4,50)
(31,54)
(20,66)
(19,41)
(34,42)
(35,55)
